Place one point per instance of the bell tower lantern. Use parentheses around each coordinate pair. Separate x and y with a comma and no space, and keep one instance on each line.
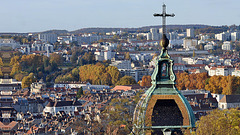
(163,109)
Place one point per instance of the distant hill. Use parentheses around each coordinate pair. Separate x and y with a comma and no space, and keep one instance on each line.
(142,29)
(129,30)
(58,32)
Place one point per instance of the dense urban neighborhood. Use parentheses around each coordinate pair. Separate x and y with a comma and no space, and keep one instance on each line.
(89,81)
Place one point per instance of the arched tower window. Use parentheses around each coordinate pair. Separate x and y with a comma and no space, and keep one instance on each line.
(164,70)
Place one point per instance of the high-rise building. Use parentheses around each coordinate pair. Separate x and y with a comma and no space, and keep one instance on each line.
(225,36)
(234,36)
(48,37)
(190,33)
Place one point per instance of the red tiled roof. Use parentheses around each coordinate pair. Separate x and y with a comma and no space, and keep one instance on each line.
(120,87)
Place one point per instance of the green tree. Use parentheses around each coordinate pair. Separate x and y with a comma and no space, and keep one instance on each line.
(74,58)
(80,92)
(28,80)
(75,74)
(114,73)
(19,76)
(64,78)
(119,112)
(126,80)
(56,58)
(88,58)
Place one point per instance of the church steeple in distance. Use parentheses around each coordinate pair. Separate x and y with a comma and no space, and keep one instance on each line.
(162,109)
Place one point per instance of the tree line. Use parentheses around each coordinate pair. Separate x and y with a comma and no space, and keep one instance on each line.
(226,85)
(37,66)
(97,74)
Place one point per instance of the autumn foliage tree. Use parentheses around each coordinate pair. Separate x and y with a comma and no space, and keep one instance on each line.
(182,80)
(16,69)
(14,60)
(1,62)
(37,64)
(99,74)
(191,81)
(56,58)
(226,85)
(146,81)
(219,122)
(118,113)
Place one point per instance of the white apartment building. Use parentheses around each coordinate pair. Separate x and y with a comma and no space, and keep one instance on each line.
(141,57)
(122,64)
(154,34)
(226,46)
(175,42)
(224,71)
(66,39)
(68,85)
(204,37)
(190,44)
(208,47)
(38,87)
(234,36)
(104,55)
(223,36)
(190,33)
(48,37)
(62,106)
(188,60)
(39,46)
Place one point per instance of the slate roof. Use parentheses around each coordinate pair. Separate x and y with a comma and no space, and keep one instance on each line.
(230,99)
(63,103)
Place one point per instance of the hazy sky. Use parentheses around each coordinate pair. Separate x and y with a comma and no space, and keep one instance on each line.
(41,15)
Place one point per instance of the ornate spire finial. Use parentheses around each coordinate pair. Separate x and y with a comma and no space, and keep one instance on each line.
(164,15)
(164,41)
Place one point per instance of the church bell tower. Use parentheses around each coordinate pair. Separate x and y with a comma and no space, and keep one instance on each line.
(163,109)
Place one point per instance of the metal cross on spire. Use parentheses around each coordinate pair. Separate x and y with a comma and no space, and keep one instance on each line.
(164,15)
